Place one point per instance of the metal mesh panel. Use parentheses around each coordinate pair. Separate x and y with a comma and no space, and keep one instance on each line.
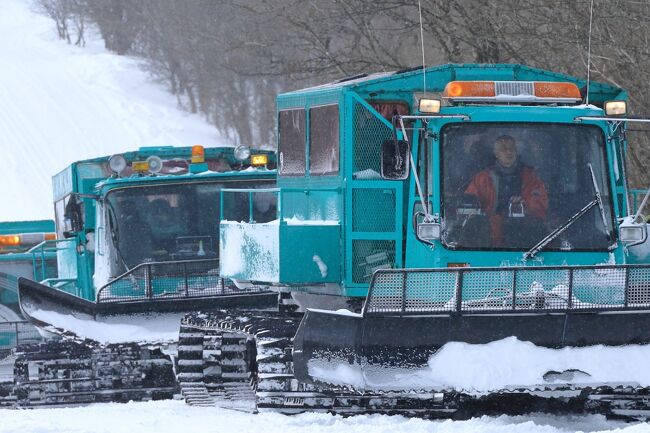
(373,210)
(598,288)
(639,287)
(369,256)
(183,279)
(430,291)
(14,333)
(487,290)
(387,293)
(369,134)
(511,289)
(542,289)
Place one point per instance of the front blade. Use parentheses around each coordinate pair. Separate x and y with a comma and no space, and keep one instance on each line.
(155,320)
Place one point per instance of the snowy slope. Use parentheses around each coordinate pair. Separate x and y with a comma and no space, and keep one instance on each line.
(60,103)
(174,417)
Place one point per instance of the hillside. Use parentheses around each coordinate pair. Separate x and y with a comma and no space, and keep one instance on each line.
(61,103)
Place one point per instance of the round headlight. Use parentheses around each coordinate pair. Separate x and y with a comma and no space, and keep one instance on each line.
(242,152)
(117,163)
(155,164)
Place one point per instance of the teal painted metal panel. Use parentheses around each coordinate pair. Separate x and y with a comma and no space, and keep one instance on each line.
(250,252)
(283,254)
(310,254)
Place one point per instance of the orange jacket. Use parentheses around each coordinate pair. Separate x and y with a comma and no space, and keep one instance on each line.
(533,194)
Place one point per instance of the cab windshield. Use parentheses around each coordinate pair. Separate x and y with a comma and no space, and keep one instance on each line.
(508,185)
(172,222)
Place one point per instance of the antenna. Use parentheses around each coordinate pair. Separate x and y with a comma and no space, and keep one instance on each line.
(591,16)
(424,67)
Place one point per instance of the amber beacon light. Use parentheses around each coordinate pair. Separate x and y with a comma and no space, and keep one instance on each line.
(198,154)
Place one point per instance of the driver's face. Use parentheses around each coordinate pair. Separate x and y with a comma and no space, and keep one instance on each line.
(505,152)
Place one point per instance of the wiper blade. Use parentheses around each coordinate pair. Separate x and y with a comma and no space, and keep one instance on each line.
(597,201)
(598,198)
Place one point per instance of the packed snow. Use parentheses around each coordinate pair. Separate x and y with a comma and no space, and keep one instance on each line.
(175,416)
(504,364)
(60,103)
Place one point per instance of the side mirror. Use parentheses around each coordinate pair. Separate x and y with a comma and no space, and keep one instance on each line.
(395,158)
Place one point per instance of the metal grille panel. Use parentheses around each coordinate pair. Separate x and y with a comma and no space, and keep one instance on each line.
(369,134)
(487,290)
(514,290)
(514,88)
(421,296)
(598,288)
(169,280)
(389,289)
(542,289)
(369,256)
(373,210)
(638,294)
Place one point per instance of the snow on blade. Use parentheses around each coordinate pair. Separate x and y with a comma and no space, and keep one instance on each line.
(151,328)
(507,363)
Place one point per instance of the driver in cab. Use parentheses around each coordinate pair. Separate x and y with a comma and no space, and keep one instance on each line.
(507,191)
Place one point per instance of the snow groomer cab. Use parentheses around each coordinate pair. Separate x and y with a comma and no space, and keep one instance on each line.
(138,231)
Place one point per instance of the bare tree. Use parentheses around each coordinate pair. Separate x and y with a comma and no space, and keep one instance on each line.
(227,59)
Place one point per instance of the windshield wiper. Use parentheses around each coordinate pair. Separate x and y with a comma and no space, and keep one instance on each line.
(597,201)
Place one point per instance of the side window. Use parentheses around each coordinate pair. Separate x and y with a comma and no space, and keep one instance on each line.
(59,210)
(324,140)
(292,142)
(69,215)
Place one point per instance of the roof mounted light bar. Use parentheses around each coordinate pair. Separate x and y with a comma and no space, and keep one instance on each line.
(512,92)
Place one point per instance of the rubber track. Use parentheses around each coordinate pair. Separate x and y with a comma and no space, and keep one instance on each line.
(242,360)
(65,373)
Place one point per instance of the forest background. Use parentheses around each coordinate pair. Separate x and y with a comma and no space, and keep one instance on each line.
(228,59)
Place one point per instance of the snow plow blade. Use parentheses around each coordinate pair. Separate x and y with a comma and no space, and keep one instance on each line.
(136,298)
(486,331)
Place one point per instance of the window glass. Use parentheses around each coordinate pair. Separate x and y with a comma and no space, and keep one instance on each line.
(324,140)
(508,185)
(292,142)
(170,222)
(68,215)
(59,210)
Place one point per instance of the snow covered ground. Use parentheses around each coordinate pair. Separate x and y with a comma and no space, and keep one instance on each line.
(174,417)
(60,103)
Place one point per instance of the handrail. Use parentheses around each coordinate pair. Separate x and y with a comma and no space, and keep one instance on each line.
(147,267)
(512,299)
(41,249)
